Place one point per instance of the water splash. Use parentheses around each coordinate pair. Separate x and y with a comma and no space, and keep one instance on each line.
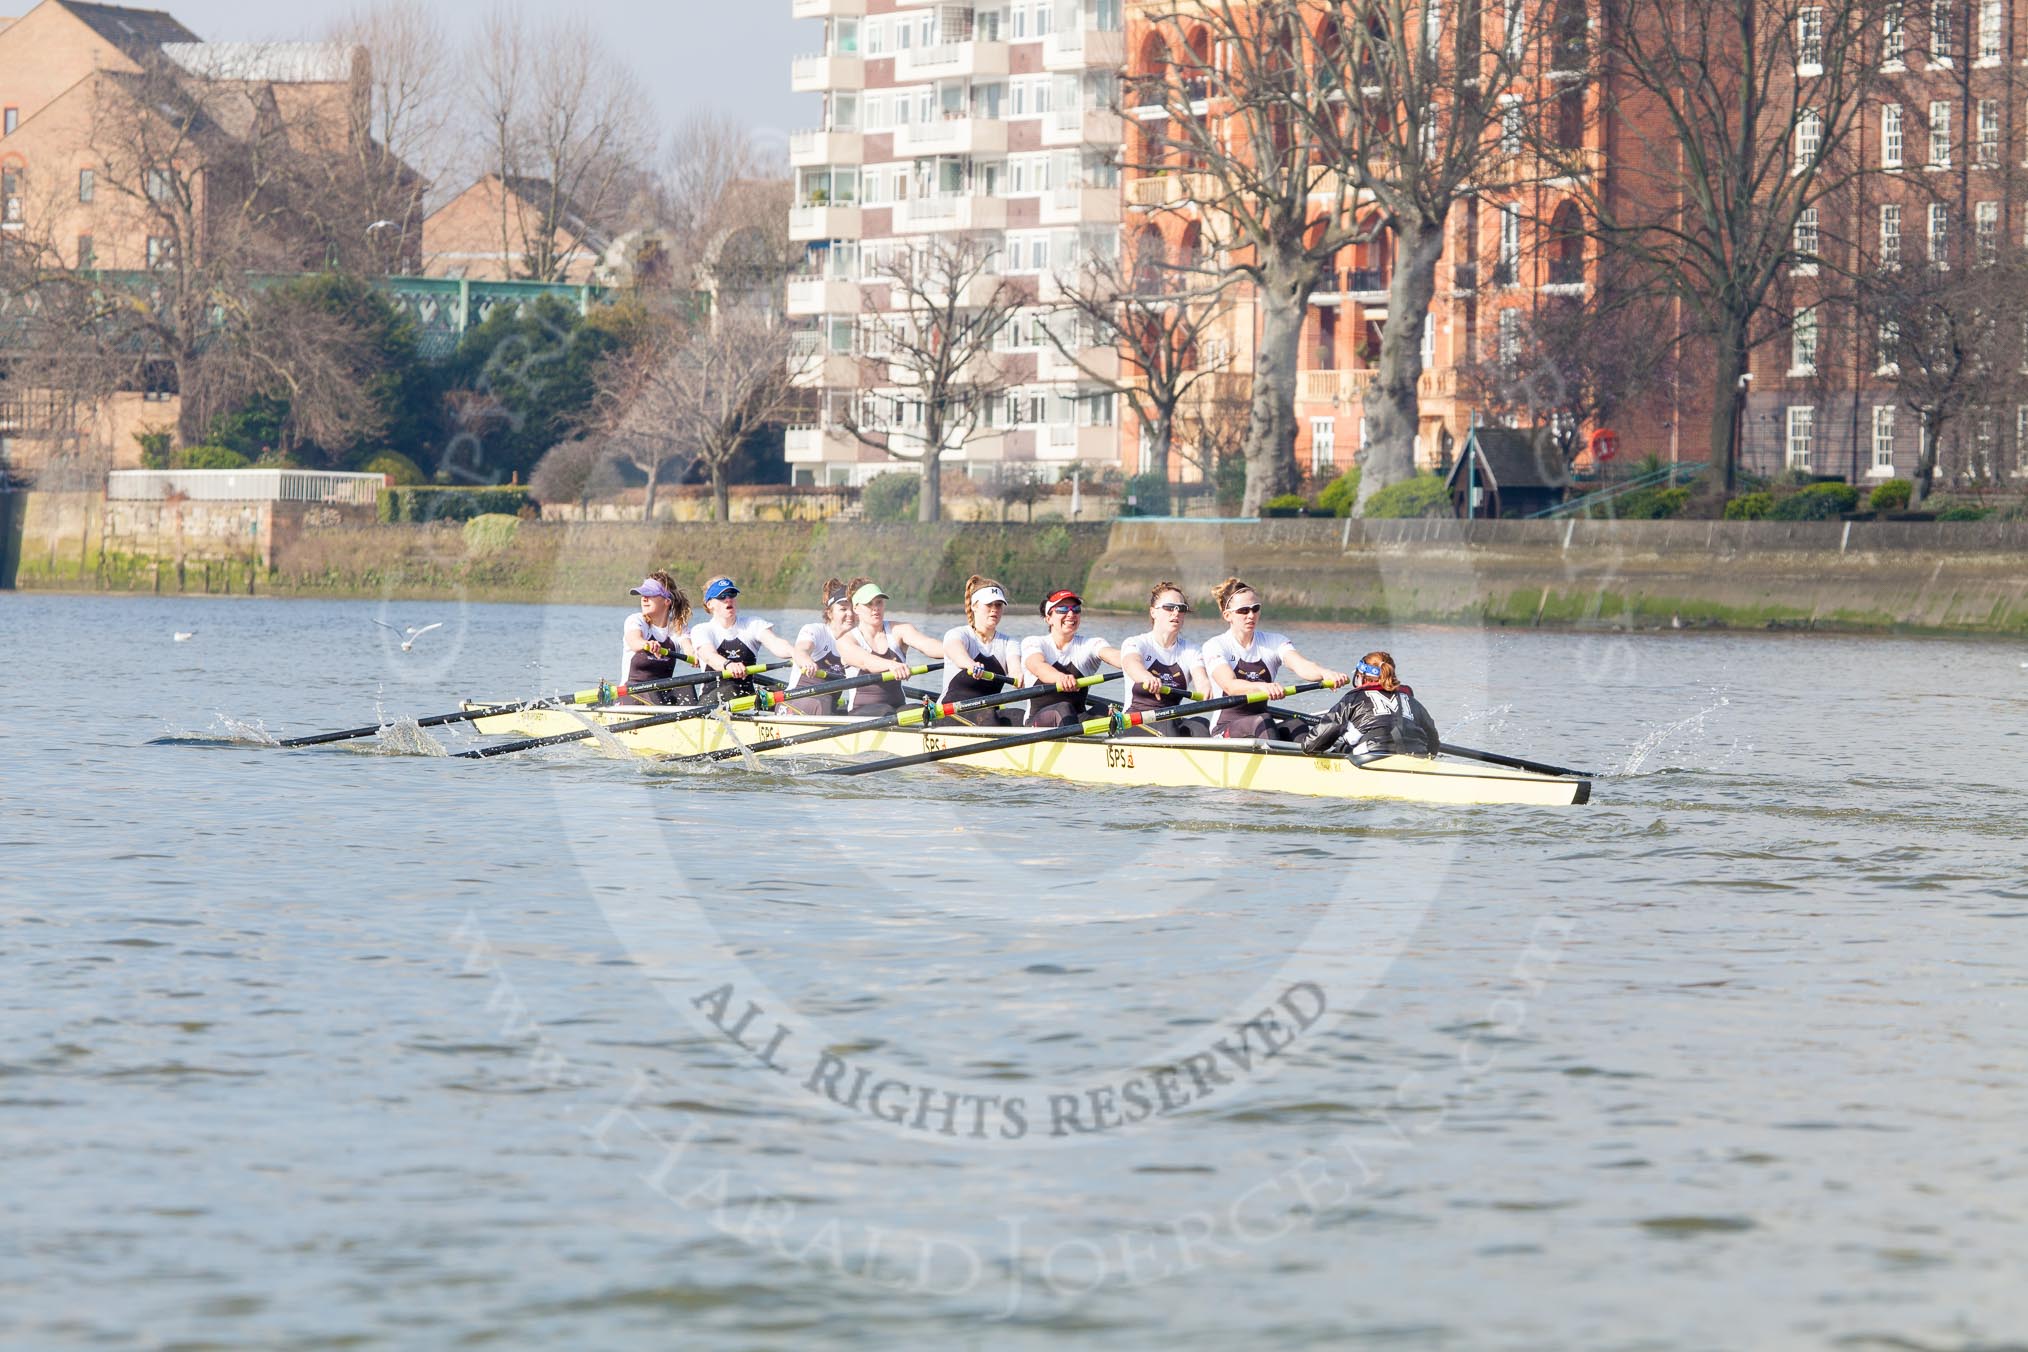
(609,745)
(1491,721)
(248,732)
(1686,744)
(405,737)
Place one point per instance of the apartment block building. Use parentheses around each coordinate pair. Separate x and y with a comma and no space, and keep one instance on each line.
(1942,147)
(994,123)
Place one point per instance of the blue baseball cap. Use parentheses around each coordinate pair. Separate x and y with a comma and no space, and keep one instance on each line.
(719,588)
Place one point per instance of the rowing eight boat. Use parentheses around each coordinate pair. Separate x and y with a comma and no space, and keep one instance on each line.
(1167,762)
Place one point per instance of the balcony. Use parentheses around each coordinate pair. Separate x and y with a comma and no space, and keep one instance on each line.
(951,136)
(814,445)
(827,9)
(824,220)
(816,149)
(951,61)
(1084,49)
(954,213)
(1170,189)
(822,296)
(1366,285)
(1093,364)
(811,368)
(816,74)
(1333,387)
(1063,442)
(1083,127)
(1078,205)
(978,290)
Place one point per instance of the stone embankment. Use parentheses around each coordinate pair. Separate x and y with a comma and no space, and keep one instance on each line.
(1969,578)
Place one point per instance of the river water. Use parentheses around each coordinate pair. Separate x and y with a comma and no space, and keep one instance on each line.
(363,1047)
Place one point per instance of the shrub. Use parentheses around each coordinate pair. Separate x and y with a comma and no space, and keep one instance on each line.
(1283,504)
(891,496)
(154,448)
(1651,504)
(1341,494)
(490,533)
(1818,502)
(1150,493)
(401,471)
(1963,511)
(1891,496)
(425,502)
(1749,507)
(1228,484)
(1424,495)
(211,457)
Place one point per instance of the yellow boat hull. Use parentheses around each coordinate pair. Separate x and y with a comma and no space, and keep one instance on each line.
(1137,761)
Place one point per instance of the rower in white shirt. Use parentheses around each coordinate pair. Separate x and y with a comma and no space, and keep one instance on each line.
(1060,658)
(1247,659)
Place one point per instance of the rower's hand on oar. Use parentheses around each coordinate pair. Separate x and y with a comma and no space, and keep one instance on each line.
(1277,692)
(899,670)
(807,666)
(1334,678)
(1065,682)
(1153,685)
(735,671)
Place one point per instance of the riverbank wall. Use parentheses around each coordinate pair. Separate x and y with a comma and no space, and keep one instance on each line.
(1937,577)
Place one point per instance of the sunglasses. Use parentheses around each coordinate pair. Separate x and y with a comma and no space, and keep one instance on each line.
(1174,607)
(1246,610)
(1066,610)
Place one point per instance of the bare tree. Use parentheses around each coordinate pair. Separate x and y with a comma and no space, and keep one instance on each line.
(1148,328)
(1741,120)
(60,364)
(567,133)
(935,326)
(574,471)
(1213,427)
(400,132)
(1288,122)
(1954,342)
(703,391)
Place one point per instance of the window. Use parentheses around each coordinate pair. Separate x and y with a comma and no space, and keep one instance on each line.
(1323,444)
(1511,126)
(1883,441)
(1893,38)
(1513,27)
(1939,236)
(1507,271)
(86,255)
(161,251)
(1989,30)
(1890,235)
(1887,341)
(1988,153)
(10,196)
(1802,435)
(1940,134)
(1986,232)
(1985,433)
(1806,243)
(158,185)
(1890,136)
(1509,335)
(10,120)
(1940,31)
(1809,139)
(87,185)
(1810,41)
(2021,439)
(1803,343)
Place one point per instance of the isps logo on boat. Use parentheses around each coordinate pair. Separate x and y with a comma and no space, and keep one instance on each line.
(994,956)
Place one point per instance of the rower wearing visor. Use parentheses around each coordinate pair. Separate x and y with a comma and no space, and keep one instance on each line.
(876,643)
(728,644)
(1061,658)
(652,640)
(1247,660)
(1164,668)
(819,643)
(974,653)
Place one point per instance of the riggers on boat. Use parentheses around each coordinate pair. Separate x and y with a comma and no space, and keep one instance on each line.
(1179,762)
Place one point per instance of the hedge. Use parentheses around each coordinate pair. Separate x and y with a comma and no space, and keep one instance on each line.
(1652,504)
(1341,494)
(428,503)
(1818,502)
(1424,495)
(1891,496)
(1749,507)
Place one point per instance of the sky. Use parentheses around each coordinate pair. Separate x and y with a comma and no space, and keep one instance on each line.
(729,56)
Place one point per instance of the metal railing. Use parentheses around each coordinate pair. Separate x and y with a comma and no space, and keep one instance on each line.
(245,485)
(1666,477)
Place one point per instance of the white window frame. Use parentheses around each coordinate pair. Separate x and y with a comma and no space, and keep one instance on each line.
(1882,466)
(1890,136)
(1940,32)
(1809,139)
(1986,232)
(1803,343)
(1992,32)
(1509,257)
(1986,153)
(1893,38)
(1810,40)
(1507,331)
(1939,237)
(1886,341)
(1801,447)
(1323,444)
(1890,235)
(1940,133)
(1806,243)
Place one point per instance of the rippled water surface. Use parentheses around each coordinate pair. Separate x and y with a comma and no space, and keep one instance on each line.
(355,1047)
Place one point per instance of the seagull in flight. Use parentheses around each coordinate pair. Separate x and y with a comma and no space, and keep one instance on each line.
(185,635)
(410,634)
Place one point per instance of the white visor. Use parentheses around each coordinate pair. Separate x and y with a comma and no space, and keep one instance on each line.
(987,595)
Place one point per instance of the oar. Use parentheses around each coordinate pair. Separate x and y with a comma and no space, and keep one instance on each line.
(767,699)
(604,694)
(901,718)
(1090,727)
(1513,762)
